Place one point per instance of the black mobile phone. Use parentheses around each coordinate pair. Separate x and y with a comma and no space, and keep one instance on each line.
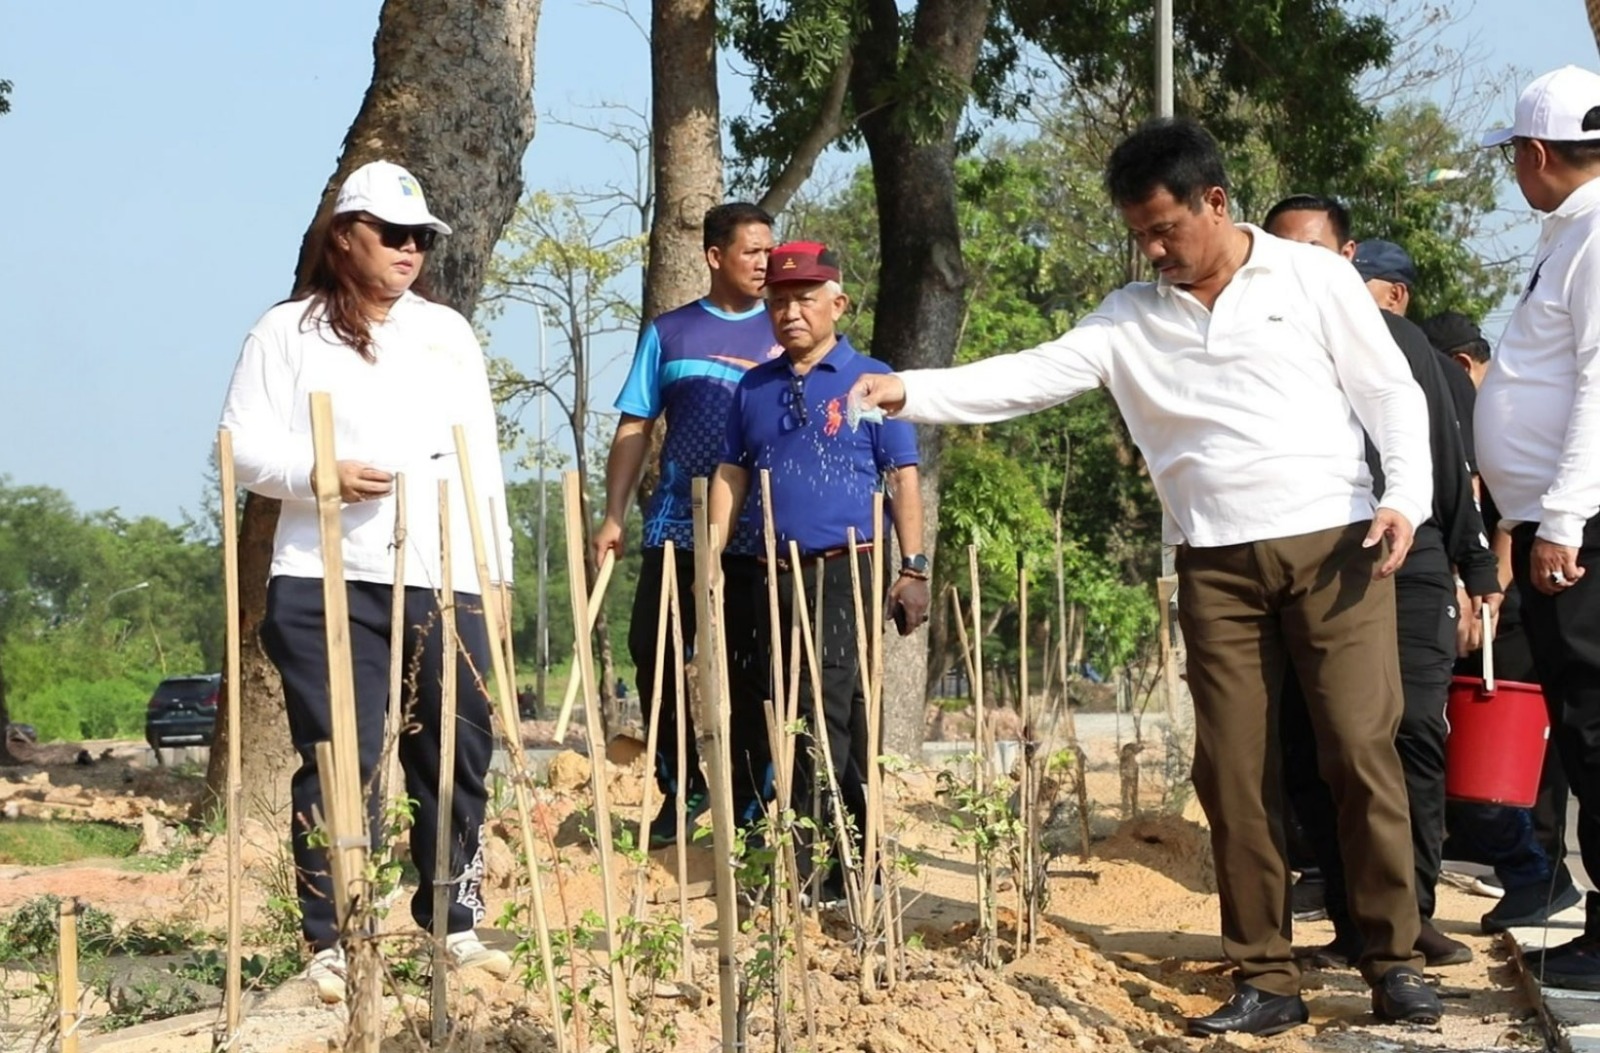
(899,615)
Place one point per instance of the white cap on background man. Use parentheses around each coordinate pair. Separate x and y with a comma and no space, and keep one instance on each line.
(387,191)
(1563,106)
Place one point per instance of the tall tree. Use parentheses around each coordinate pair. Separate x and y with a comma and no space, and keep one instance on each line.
(451,98)
(910,91)
(686,148)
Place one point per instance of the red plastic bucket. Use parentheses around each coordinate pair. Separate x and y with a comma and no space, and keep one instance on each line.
(1498,732)
(1497,738)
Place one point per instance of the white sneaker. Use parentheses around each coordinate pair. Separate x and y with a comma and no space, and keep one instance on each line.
(468,951)
(327,973)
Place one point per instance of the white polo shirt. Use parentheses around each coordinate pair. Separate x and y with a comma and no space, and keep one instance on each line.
(1537,422)
(397,413)
(1249,415)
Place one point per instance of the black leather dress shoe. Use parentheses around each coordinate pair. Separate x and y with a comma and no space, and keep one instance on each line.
(1404,997)
(1252,1012)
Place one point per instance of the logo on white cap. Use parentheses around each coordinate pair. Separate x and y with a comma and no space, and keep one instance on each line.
(388,192)
(1554,109)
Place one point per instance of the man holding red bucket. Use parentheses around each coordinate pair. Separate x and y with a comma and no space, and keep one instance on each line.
(1524,846)
(1540,404)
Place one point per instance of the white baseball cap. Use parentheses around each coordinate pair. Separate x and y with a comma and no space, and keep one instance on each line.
(1553,108)
(389,192)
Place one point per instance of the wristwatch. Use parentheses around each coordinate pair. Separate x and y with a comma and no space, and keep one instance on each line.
(916,566)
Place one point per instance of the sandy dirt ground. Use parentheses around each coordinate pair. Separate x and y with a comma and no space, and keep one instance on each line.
(1128,948)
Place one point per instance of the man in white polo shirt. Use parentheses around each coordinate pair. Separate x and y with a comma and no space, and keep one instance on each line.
(1538,425)
(1246,374)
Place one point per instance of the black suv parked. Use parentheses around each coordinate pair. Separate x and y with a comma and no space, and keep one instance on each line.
(183,711)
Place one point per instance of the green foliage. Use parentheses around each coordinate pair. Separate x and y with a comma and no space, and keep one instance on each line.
(81,647)
(258,971)
(1304,101)
(1436,220)
(5,92)
(151,998)
(73,709)
(32,931)
(33,843)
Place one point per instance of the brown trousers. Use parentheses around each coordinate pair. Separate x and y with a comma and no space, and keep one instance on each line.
(1248,612)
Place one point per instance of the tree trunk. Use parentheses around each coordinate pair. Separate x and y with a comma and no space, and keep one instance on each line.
(6,759)
(922,280)
(685,165)
(451,99)
(686,148)
(1593,8)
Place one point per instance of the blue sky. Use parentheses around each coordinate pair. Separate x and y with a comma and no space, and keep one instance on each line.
(159,166)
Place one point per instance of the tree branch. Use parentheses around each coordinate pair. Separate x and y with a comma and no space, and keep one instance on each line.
(828,127)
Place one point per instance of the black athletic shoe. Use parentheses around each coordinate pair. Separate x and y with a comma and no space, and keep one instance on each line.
(664,827)
(1306,899)
(1532,904)
(1574,965)
(1404,997)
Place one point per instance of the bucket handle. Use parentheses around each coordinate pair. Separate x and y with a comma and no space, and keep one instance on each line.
(1488,649)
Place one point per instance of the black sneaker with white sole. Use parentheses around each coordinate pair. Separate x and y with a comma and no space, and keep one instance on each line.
(664,827)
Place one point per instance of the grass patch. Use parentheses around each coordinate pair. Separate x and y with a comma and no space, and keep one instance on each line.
(38,842)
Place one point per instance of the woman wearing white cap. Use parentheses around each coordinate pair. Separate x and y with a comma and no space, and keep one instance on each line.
(402,371)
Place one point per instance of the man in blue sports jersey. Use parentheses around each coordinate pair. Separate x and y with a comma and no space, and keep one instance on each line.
(791,416)
(686,367)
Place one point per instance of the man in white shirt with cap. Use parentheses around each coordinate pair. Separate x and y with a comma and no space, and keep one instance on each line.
(1538,426)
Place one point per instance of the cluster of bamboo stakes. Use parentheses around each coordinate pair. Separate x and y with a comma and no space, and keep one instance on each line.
(873,894)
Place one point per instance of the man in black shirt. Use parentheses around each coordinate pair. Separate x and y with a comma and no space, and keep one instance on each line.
(1428,613)
(1526,849)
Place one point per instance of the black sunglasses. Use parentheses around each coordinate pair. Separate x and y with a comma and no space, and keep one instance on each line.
(1508,150)
(395,236)
(797,399)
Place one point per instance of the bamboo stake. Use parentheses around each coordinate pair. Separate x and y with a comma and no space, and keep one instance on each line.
(712,696)
(680,692)
(67,976)
(233,984)
(597,597)
(979,725)
(522,778)
(652,734)
(864,660)
(819,735)
(573,501)
(349,834)
(346,857)
(503,589)
(390,777)
(781,746)
(989,924)
(1080,759)
(874,702)
(443,870)
(1027,883)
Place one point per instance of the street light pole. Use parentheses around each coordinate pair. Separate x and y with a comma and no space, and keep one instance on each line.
(543,647)
(1163,58)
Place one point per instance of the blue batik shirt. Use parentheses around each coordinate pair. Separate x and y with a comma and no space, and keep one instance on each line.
(824,472)
(687,365)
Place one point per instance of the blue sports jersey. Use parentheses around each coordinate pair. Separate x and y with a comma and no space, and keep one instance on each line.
(687,365)
(824,472)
